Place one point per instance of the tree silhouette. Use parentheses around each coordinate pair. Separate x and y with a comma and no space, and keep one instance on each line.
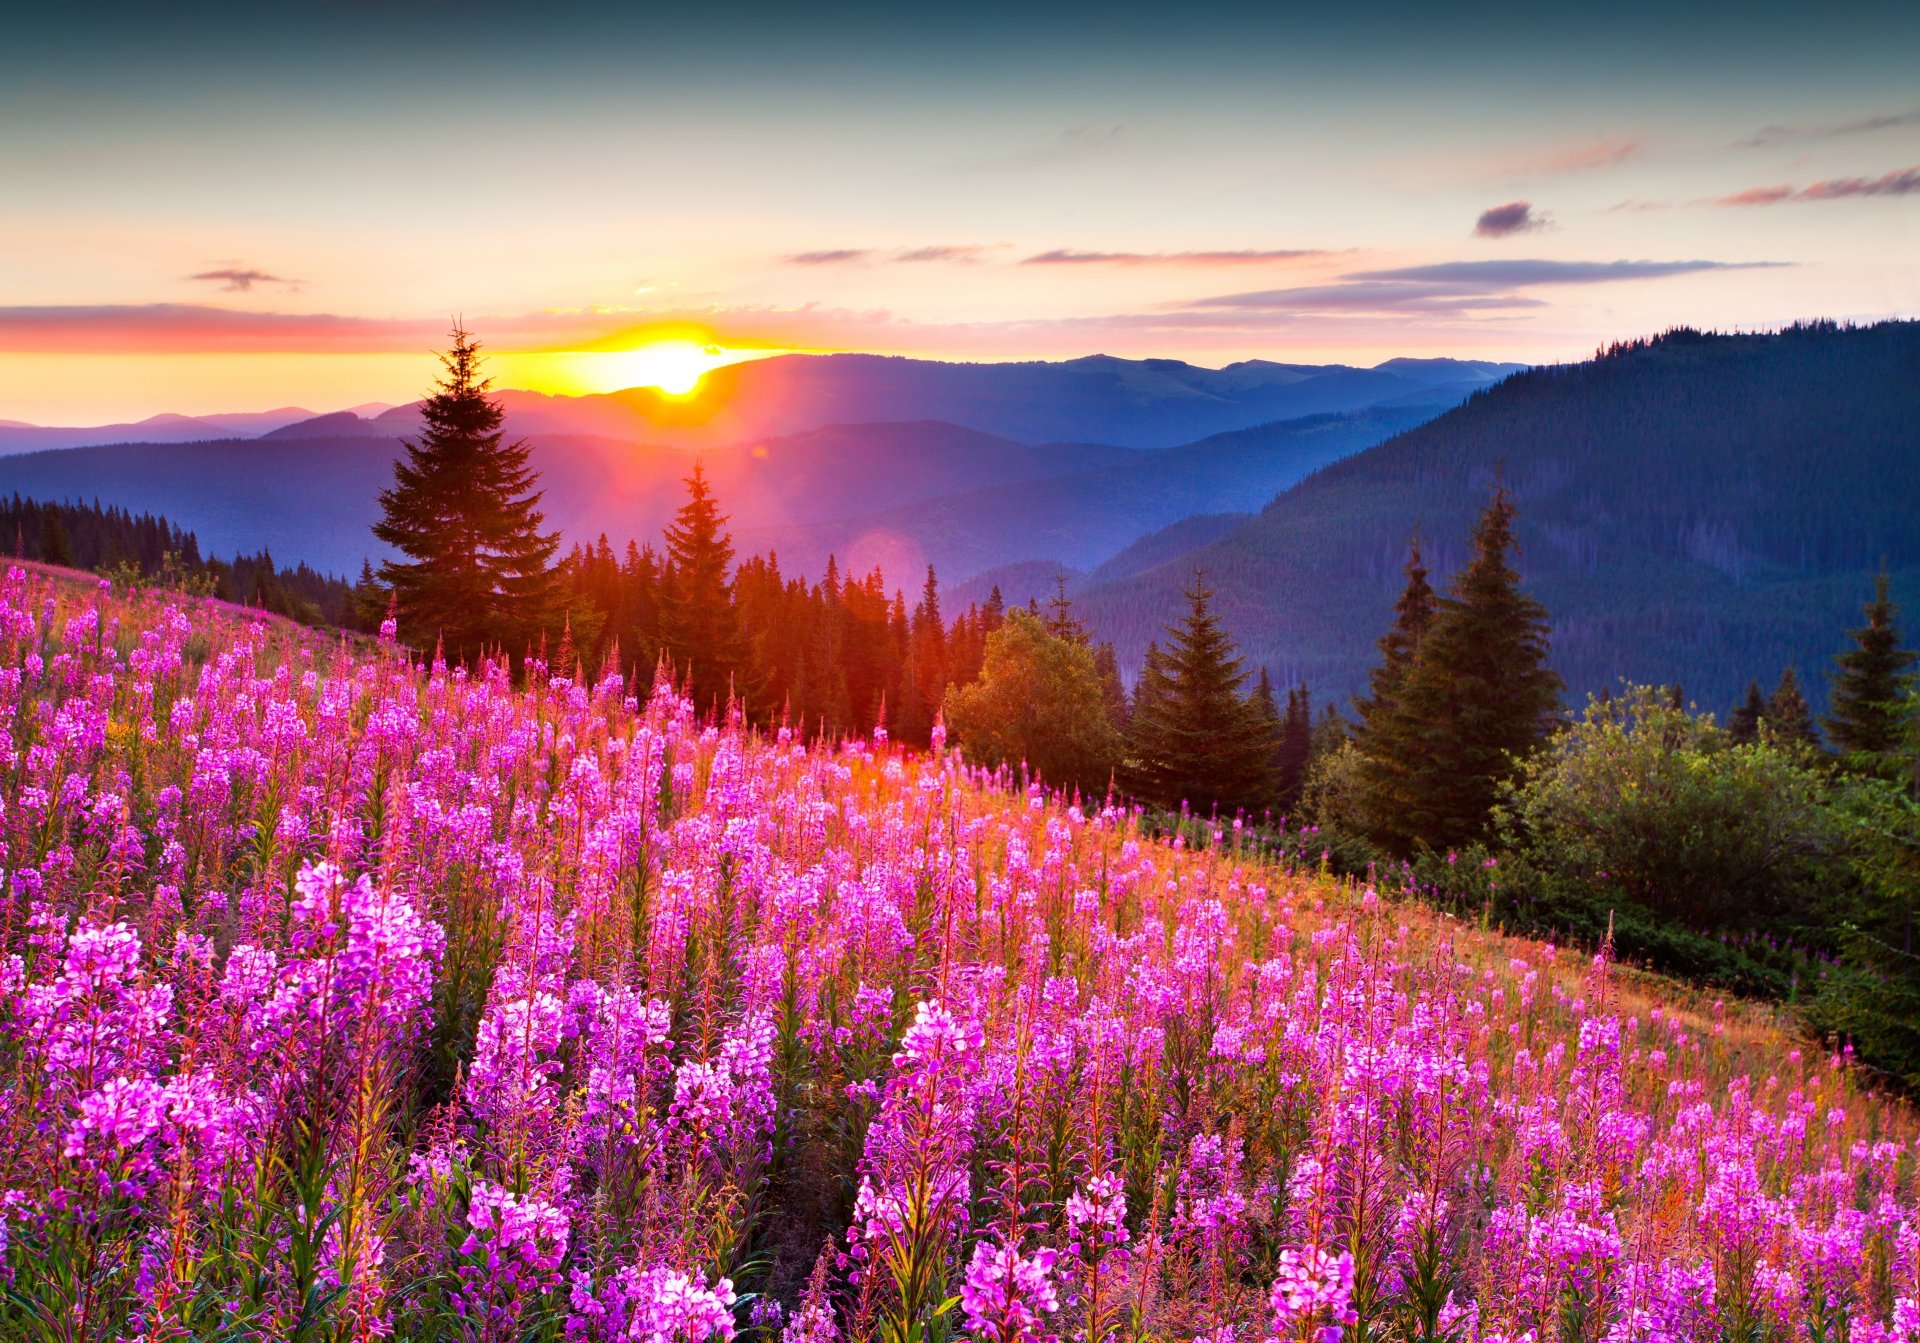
(464,511)
(699,625)
(1868,708)
(1477,693)
(1193,737)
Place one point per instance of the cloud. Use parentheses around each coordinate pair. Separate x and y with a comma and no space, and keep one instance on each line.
(1069,145)
(1900,182)
(963,253)
(1503,221)
(198,329)
(1367,296)
(235,279)
(1451,288)
(958,253)
(836,256)
(1064,256)
(1531,272)
(1827,130)
(1585,156)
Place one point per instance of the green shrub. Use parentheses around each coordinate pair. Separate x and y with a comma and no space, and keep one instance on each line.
(1658,808)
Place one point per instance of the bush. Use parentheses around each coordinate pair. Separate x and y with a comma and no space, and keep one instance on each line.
(1508,893)
(1040,700)
(1656,807)
(1873,998)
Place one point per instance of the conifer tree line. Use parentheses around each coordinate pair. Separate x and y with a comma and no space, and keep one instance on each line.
(1463,694)
(835,656)
(477,572)
(144,548)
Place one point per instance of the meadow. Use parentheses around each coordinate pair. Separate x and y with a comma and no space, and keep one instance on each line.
(347,998)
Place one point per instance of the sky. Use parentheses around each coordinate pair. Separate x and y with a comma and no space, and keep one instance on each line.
(210,208)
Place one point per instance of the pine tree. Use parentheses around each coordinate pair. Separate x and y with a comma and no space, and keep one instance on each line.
(1743,724)
(1106,663)
(464,512)
(1201,741)
(699,625)
(1788,717)
(1412,617)
(54,547)
(1477,694)
(1384,766)
(1868,707)
(1295,752)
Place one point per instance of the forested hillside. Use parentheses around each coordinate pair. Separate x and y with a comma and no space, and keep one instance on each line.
(1082,519)
(1695,508)
(899,495)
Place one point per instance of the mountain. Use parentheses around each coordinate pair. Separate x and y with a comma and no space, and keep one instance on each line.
(1079,519)
(1700,509)
(1166,545)
(1137,403)
(16,436)
(896,495)
(311,495)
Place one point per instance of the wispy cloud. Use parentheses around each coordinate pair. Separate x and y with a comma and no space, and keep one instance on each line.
(1455,288)
(1580,157)
(238,279)
(1503,221)
(1900,182)
(961,253)
(1826,130)
(833,256)
(952,253)
(1075,144)
(1065,256)
(1534,272)
(199,329)
(1365,296)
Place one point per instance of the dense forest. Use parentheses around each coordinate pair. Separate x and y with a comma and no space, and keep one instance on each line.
(141,547)
(1694,508)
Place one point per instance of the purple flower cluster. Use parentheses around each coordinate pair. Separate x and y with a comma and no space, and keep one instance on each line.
(1006,1294)
(346,996)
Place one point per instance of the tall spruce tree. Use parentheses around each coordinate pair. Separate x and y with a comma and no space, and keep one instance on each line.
(1200,741)
(1477,694)
(1868,708)
(1384,766)
(1295,753)
(1412,616)
(1743,724)
(1789,718)
(699,624)
(464,512)
(1265,705)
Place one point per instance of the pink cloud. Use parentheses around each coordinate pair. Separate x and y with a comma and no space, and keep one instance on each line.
(1503,221)
(1900,182)
(1066,256)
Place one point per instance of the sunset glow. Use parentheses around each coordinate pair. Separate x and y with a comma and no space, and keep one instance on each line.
(665,201)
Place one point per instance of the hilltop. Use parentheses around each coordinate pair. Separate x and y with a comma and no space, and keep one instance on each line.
(1696,508)
(624,1013)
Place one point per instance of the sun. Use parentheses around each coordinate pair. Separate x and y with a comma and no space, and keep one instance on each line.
(674,367)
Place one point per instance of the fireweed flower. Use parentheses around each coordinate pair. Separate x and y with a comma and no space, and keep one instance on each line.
(1312,1294)
(513,1250)
(277,900)
(650,1305)
(1006,1293)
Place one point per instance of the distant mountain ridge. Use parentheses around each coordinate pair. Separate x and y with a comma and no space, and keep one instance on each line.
(872,458)
(898,495)
(1081,519)
(1138,403)
(19,436)
(1699,509)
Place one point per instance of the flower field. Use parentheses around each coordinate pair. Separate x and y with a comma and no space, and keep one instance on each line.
(341,998)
